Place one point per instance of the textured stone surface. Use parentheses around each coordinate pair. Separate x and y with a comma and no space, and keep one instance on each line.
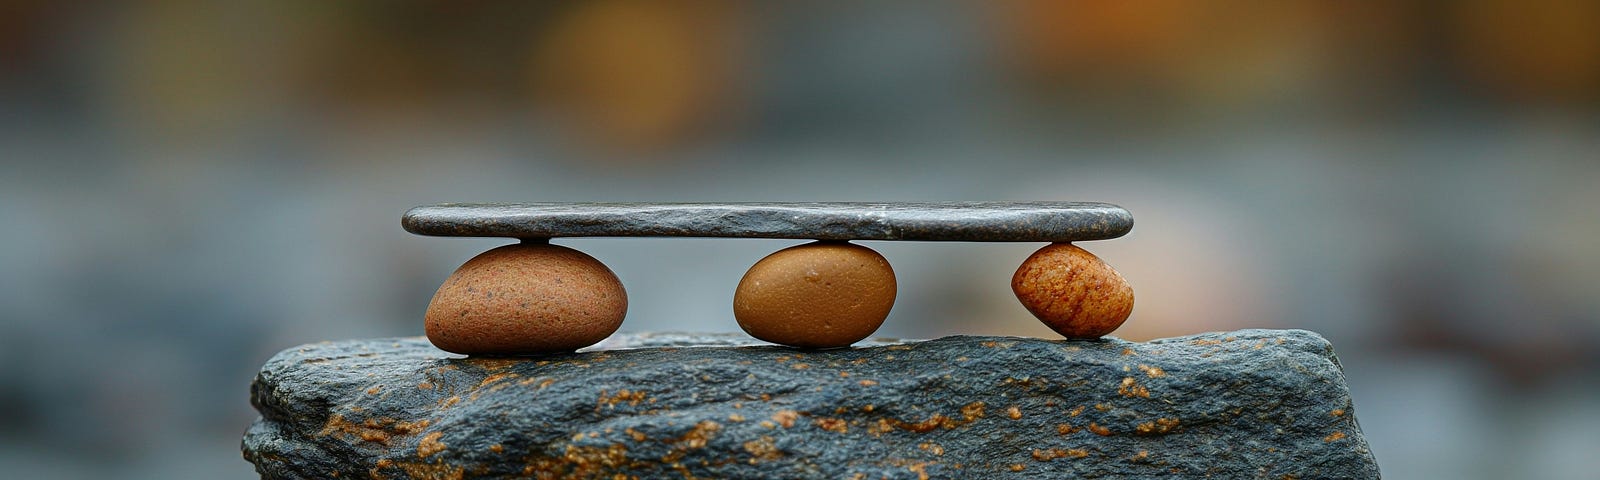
(951,221)
(1247,404)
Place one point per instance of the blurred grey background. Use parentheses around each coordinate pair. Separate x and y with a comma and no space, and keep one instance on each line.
(188,187)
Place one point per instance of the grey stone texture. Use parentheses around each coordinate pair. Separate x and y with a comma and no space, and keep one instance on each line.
(949,221)
(1268,404)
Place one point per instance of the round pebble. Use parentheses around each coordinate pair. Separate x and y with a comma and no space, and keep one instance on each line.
(1072,291)
(524,299)
(816,295)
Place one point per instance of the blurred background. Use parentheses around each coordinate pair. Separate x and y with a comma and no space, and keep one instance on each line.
(188,187)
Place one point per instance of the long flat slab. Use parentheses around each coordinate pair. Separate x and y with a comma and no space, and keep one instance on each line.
(935,221)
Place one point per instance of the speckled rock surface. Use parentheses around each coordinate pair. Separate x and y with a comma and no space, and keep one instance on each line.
(1247,404)
(937,221)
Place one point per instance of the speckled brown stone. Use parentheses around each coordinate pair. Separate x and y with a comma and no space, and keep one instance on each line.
(526,298)
(817,295)
(1072,291)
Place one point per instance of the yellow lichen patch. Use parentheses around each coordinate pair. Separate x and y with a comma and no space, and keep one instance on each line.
(425,385)
(868,383)
(1066,429)
(1337,412)
(1014,412)
(800,366)
(700,434)
(1099,430)
(869,408)
(1075,411)
(1017,467)
(785,417)
(762,449)
(631,397)
(448,402)
(497,448)
(1160,426)
(430,445)
(736,418)
(375,430)
(1104,407)
(1335,436)
(969,413)
(1141,456)
(1054,453)
(921,469)
(374,390)
(972,411)
(1152,372)
(1127,352)
(832,424)
(931,447)
(432,471)
(1132,388)
(491,379)
(492,364)
(578,462)
(844,374)
(1205,342)
(994,344)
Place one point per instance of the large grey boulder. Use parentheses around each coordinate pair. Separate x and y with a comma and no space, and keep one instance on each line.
(1247,404)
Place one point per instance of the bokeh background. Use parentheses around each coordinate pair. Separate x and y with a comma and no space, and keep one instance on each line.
(188,187)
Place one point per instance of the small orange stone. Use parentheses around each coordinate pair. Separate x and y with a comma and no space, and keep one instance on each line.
(816,295)
(526,298)
(1072,291)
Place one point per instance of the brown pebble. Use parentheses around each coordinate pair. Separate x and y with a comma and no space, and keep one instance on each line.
(816,295)
(1072,291)
(526,298)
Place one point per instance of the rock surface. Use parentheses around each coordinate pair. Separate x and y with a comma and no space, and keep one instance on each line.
(947,221)
(1247,404)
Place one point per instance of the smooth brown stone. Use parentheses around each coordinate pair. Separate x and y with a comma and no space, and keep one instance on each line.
(1072,291)
(816,295)
(524,299)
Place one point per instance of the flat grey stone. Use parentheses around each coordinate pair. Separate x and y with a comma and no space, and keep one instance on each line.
(951,221)
(1267,404)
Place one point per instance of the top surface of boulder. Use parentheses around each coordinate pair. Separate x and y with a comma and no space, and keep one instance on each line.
(1247,404)
(946,221)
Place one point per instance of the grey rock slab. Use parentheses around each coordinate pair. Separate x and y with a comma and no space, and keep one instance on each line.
(1268,404)
(948,221)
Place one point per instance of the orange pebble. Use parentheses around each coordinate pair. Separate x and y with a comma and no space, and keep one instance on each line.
(1072,291)
(526,298)
(817,295)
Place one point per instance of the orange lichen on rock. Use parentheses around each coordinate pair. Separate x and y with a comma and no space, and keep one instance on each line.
(1132,388)
(1335,436)
(1099,430)
(762,449)
(631,397)
(832,424)
(430,445)
(1159,426)
(1054,453)
(375,430)
(1152,372)
(785,417)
